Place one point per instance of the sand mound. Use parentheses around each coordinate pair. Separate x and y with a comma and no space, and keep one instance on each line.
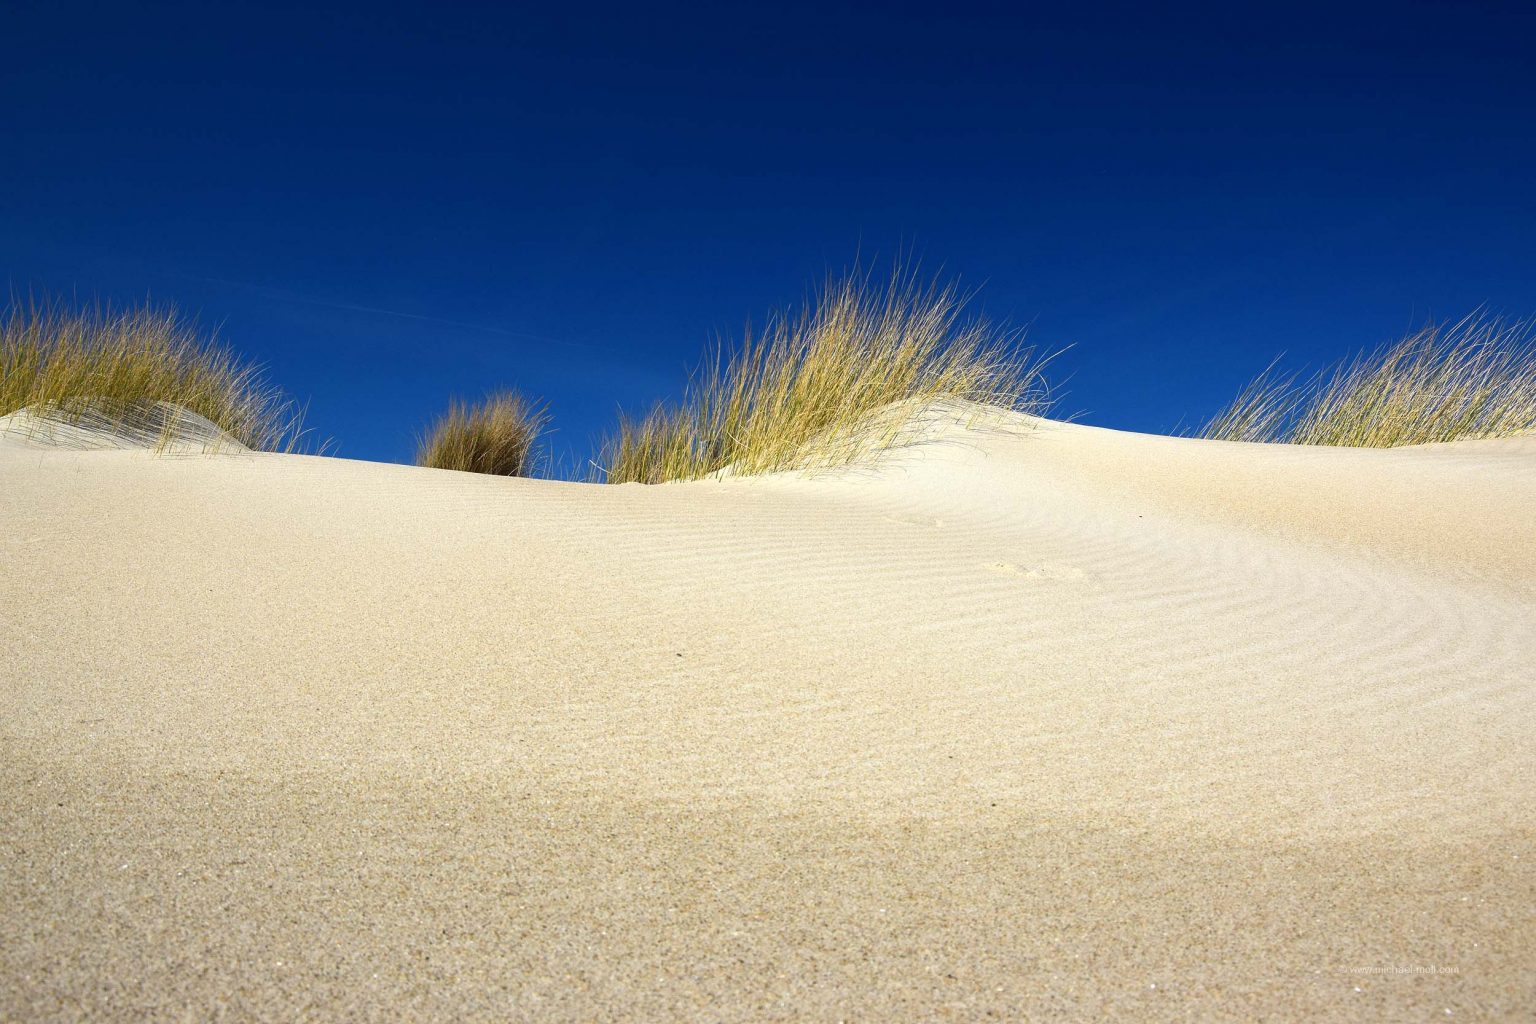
(1031,720)
(161,427)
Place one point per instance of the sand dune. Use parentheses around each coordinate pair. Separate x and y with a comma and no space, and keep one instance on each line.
(1031,721)
(165,428)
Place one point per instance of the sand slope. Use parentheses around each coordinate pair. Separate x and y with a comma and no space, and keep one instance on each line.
(162,427)
(1034,721)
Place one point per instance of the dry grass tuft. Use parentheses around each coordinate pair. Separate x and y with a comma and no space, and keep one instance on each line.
(135,371)
(496,436)
(843,379)
(1470,379)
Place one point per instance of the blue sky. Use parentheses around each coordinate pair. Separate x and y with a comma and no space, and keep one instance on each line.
(392,205)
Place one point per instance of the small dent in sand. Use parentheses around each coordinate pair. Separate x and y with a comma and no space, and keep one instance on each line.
(1043,571)
(910,520)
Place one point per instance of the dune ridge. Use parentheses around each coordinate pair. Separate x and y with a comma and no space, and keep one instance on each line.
(1031,719)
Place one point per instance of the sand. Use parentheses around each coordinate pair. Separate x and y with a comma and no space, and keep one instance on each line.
(164,428)
(1031,721)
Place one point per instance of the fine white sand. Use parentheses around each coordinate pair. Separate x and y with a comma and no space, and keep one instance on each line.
(1031,721)
(165,428)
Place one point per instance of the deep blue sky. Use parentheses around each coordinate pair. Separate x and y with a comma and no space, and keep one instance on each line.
(390,205)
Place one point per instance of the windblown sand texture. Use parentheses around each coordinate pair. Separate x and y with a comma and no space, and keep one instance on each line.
(1030,721)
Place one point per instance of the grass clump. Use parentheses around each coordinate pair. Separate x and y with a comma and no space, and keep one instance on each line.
(1474,378)
(496,436)
(842,379)
(136,372)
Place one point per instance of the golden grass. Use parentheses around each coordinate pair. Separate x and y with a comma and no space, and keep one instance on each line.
(841,380)
(1470,379)
(496,436)
(135,370)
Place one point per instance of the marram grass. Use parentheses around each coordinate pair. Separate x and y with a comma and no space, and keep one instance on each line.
(1475,378)
(496,436)
(841,380)
(136,369)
